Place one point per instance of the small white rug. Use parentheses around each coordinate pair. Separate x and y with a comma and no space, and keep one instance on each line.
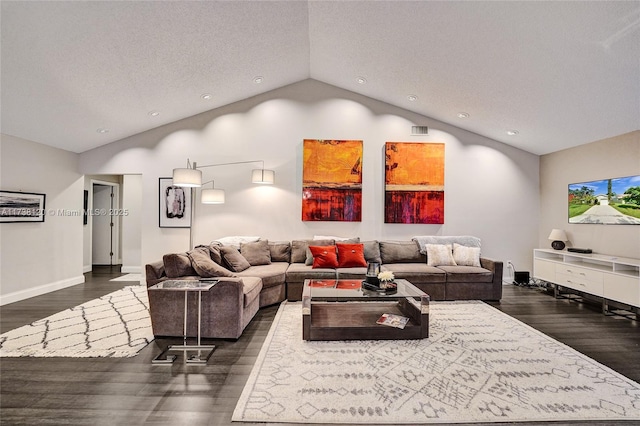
(478,365)
(128,277)
(115,325)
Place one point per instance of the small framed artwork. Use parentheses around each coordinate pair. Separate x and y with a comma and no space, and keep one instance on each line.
(174,205)
(85,203)
(21,207)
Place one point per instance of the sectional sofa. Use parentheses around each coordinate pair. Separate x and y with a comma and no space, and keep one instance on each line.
(259,273)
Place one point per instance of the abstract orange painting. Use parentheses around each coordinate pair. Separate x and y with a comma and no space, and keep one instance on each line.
(414,182)
(332,180)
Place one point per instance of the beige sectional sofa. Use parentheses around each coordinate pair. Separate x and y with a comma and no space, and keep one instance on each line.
(279,269)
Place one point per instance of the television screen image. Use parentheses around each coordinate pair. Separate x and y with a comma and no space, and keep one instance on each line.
(614,201)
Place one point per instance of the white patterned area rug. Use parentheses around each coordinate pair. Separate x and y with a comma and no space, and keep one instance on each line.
(128,277)
(116,325)
(478,365)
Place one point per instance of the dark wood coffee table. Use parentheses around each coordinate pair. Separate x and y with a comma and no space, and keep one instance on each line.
(342,310)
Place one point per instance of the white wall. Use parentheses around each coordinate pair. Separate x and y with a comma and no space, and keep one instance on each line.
(491,189)
(608,158)
(131,223)
(40,257)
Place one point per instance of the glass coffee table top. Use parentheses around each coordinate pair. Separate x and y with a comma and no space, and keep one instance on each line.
(351,290)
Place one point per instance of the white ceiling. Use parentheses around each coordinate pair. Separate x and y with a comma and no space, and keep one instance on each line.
(561,73)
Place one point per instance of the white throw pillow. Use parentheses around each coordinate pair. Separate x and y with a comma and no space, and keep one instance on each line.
(439,255)
(466,256)
(236,240)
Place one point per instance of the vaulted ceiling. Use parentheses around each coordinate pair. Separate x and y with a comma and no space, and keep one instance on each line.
(560,74)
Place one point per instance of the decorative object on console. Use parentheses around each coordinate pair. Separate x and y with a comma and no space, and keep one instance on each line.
(332,180)
(558,237)
(613,201)
(414,182)
(21,207)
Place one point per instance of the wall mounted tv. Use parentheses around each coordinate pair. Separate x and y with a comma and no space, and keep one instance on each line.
(613,201)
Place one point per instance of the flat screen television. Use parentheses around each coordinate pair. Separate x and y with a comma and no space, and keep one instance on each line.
(614,201)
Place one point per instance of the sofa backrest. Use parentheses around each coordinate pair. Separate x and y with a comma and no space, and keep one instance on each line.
(463,240)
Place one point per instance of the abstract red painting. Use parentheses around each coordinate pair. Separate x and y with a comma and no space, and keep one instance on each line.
(332,180)
(414,182)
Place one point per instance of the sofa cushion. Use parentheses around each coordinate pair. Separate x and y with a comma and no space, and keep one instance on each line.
(350,255)
(467,274)
(372,251)
(400,252)
(416,273)
(233,259)
(298,272)
(357,273)
(214,252)
(272,274)
(205,266)
(464,240)
(251,287)
(280,251)
(439,254)
(309,259)
(178,265)
(466,256)
(324,256)
(256,253)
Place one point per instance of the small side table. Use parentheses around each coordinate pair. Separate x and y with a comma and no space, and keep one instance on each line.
(186,286)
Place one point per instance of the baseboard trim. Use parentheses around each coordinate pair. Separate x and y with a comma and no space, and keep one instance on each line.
(87,268)
(39,290)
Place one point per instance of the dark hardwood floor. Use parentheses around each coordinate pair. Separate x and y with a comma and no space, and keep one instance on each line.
(132,391)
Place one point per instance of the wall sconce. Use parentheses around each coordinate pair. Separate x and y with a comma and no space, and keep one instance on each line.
(558,237)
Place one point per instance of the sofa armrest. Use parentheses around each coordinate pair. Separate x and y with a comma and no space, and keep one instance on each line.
(495,266)
(155,273)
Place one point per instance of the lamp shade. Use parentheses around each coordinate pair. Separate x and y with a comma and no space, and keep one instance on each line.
(558,235)
(187,177)
(212,196)
(263,176)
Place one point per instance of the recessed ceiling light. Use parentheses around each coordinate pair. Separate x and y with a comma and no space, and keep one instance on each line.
(463,115)
(206,96)
(102,130)
(154,113)
(361,80)
(259,79)
(412,98)
(512,132)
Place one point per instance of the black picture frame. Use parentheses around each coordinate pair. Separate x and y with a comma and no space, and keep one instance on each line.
(178,215)
(85,217)
(16,206)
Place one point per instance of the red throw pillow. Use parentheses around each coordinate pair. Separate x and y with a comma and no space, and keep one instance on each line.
(351,255)
(324,256)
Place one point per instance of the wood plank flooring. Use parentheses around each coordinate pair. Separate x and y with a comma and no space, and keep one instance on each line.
(131,391)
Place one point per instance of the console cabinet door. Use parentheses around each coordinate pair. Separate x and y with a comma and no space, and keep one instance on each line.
(544,270)
(622,289)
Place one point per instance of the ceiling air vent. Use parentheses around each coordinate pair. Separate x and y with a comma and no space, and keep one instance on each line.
(419,130)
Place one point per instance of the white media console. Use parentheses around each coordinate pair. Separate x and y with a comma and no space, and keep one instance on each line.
(613,279)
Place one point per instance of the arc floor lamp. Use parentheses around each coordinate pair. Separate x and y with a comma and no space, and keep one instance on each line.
(191,177)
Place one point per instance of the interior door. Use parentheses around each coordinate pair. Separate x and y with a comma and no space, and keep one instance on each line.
(102,238)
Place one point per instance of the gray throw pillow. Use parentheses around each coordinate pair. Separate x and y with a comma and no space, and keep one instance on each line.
(214,252)
(256,253)
(372,251)
(233,259)
(280,251)
(401,252)
(178,265)
(205,266)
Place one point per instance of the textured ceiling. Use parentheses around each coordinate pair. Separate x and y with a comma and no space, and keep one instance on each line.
(561,73)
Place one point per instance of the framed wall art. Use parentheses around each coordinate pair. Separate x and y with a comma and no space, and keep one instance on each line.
(332,180)
(614,201)
(174,205)
(414,183)
(22,207)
